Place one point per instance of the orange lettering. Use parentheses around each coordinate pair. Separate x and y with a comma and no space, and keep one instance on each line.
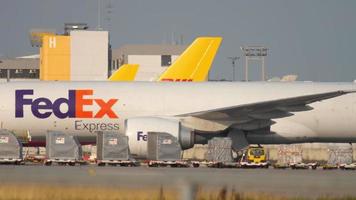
(80,102)
(106,108)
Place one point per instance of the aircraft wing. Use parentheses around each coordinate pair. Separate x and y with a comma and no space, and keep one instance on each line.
(259,115)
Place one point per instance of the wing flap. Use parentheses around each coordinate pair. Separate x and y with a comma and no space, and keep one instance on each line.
(254,124)
(273,114)
(295,108)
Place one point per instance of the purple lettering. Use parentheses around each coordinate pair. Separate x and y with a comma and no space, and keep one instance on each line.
(70,104)
(41,104)
(21,101)
(141,136)
(43,107)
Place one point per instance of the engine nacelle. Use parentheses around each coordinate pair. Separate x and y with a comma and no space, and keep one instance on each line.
(137,128)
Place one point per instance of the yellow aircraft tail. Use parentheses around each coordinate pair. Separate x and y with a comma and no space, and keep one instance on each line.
(126,72)
(195,62)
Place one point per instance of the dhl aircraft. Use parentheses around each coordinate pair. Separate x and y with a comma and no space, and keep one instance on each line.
(126,72)
(192,66)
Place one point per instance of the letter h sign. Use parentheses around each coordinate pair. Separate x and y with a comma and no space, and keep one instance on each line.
(52,42)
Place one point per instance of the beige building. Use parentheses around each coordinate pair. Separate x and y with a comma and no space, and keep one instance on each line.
(153,59)
(19,69)
(80,56)
(89,55)
(86,57)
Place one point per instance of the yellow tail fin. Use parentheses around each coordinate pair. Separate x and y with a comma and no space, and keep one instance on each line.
(195,62)
(126,72)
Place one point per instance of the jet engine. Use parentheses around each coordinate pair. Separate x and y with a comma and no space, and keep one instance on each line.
(137,129)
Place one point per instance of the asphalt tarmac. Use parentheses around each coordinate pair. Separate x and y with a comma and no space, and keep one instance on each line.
(282,182)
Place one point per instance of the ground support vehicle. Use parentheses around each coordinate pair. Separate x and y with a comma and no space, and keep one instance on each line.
(15,161)
(351,166)
(162,163)
(122,163)
(254,157)
(223,164)
(61,162)
(303,165)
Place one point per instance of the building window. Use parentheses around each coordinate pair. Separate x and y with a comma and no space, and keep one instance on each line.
(3,73)
(166,60)
(21,74)
(113,64)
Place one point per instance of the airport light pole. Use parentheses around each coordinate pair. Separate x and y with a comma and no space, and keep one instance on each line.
(99,15)
(257,53)
(233,61)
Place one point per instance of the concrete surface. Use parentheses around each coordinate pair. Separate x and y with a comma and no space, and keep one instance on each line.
(282,182)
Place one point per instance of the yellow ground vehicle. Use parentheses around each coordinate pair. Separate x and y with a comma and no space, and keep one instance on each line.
(254,157)
(256,154)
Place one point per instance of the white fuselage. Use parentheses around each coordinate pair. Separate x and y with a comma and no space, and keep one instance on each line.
(81,108)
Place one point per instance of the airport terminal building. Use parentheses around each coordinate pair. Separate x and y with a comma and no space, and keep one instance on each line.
(19,69)
(152,60)
(80,54)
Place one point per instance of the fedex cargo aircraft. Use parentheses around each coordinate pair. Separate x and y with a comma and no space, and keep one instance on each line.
(256,112)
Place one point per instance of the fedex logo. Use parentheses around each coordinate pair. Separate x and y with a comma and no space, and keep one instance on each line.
(141,136)
(43,107)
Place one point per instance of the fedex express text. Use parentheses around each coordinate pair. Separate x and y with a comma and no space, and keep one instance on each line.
(43,108)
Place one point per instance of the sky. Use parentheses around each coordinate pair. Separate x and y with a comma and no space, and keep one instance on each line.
(314,39)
